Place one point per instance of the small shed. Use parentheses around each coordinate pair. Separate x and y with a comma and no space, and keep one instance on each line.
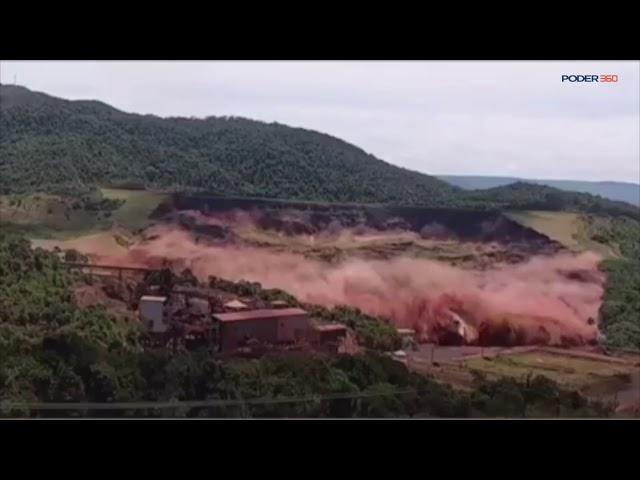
(325,333)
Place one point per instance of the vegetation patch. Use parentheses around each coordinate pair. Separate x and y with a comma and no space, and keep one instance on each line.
(620,310)
(573,230)
(571,372)
(136,206)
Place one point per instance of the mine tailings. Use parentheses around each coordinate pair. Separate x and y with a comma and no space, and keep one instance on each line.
(550,297)
(461,224)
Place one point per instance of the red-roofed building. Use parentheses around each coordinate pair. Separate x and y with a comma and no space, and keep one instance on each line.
(283,325)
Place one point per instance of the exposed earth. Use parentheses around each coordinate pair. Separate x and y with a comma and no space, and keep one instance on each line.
(456,277)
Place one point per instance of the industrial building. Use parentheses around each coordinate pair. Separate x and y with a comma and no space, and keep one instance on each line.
(195,316)
(152,313)
(273,326)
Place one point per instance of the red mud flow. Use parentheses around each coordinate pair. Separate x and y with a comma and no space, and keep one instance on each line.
(552,300)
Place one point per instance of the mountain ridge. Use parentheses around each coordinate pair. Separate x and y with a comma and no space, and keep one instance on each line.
(229,152)
(50,144)
(614,190)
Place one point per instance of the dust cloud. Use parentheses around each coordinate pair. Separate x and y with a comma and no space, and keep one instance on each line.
(551,300)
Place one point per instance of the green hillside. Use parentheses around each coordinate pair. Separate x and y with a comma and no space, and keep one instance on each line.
(527,196)
(50,143)
(620,311)
(54,145)
(622,191)
(573,230)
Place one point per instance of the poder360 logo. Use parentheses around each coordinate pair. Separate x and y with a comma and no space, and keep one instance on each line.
(590,78)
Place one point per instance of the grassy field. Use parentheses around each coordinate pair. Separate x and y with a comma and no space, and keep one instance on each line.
(592,377)
(48,216)
(44,216)
(102,243)
(570,371)
(569,229)
(139,204)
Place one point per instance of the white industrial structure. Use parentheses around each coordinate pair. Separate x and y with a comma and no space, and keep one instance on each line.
(152,313)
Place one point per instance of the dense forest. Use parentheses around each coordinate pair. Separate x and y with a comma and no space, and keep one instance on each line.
(51,145)
(620,311)
(52,351)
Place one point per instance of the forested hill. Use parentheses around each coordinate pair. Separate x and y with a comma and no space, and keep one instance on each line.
(528,196)
(623,191)
(51,144)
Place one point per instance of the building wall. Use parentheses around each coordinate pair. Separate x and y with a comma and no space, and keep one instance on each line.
(233,333)
(152,314)
(270,330)
(293,328)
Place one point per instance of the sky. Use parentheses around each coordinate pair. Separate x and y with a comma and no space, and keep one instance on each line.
(462,118)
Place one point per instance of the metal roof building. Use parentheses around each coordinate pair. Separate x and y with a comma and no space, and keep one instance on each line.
(282,325)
